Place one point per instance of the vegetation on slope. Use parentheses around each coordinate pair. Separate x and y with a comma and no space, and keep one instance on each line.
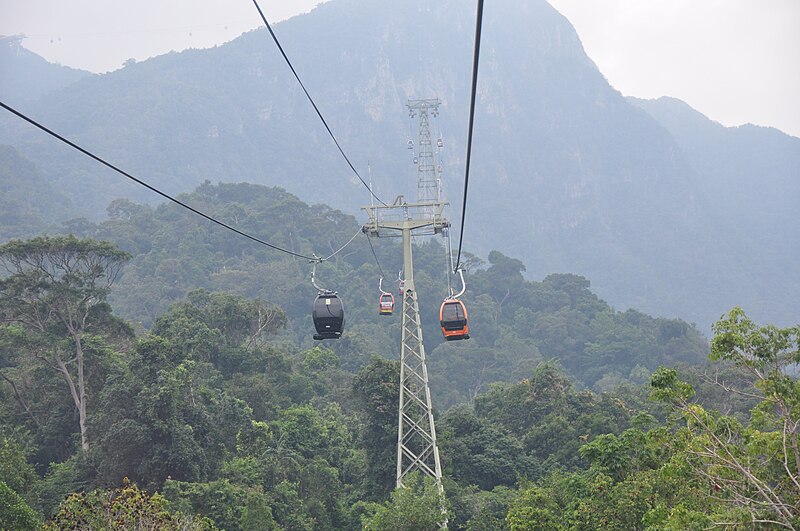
(221,413)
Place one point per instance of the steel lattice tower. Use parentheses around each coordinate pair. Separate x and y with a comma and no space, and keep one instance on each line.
(417,448)
(428,182)
(416,435)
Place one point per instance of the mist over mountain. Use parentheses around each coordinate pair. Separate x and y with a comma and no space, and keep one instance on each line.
(27,76)
(29,204)
(662,209)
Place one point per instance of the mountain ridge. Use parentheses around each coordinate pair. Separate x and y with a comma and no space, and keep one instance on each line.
(568,174)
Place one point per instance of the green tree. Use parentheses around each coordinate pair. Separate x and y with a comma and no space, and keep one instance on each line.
(14,512)
(376,389)
(52,287)
(477,452)
(170,418)
(533,510)
(221,328)
(16,472)
(753,467)
(415,507)
(123,508)
(231,507)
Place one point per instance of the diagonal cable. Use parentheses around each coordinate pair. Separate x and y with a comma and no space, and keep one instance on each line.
(343,246)
(148,186)
(310,99)
(369,240)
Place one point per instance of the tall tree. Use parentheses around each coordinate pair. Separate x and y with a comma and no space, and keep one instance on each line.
(377,395)
(50,288)
(754,468)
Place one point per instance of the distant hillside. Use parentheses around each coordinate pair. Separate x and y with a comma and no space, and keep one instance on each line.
(751,176)
(27,76)
(29,204)
(568,175)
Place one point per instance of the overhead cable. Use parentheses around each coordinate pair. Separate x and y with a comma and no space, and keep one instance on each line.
(343,246)
(369,240)
(153,188)
(310,99)
(475,58)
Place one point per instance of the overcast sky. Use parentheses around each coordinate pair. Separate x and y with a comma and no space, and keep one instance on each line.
(736,61)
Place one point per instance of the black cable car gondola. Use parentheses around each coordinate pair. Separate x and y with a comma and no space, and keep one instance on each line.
(327,311)
(328,315)
(453,318)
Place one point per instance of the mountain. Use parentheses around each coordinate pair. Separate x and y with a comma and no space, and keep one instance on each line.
(568,175)
(752,176)
(27,76)
(28,203)
(752,170)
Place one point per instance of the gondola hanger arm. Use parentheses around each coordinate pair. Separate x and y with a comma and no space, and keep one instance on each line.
(463,285)
(315,261)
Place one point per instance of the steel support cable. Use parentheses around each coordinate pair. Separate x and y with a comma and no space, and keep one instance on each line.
(150,187)
(369,240)
(310,99)
(343,246)
(475,58)
(448,266)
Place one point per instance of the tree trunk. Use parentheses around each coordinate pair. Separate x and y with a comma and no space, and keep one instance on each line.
(79,393)
(82,392)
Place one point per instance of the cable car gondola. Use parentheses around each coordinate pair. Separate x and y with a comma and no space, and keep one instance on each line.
(453,318)
(385,301)
(453,314)
(386,304)
(328,315)
(327,310)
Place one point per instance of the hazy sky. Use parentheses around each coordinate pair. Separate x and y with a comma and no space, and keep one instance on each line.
(736,61)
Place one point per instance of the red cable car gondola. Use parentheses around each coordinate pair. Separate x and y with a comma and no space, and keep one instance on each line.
(386,303)
(453,318)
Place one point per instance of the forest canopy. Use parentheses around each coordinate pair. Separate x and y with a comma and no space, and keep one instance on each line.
(205,404)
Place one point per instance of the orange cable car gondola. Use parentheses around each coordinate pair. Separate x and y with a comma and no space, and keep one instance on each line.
(453,318)
(453,315)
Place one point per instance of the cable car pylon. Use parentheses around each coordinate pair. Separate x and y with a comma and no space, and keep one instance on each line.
(417,447)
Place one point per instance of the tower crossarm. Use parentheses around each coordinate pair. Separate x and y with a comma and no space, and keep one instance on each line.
(390,220)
